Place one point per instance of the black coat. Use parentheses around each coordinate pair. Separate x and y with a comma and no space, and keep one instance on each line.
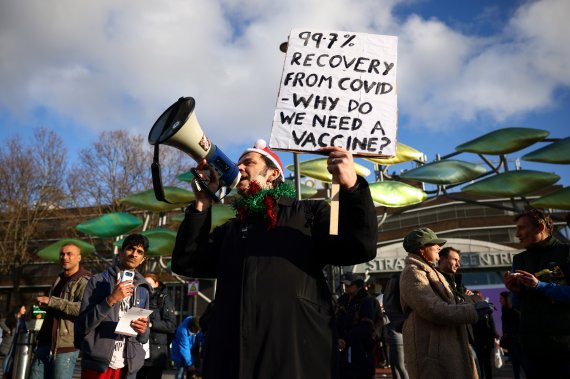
(163,321)
(544,325)
(355,325)
(274,312)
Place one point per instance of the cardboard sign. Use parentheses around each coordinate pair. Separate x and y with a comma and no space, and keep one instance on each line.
(338,89)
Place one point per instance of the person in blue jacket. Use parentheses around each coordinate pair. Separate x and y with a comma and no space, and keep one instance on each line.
(182,345)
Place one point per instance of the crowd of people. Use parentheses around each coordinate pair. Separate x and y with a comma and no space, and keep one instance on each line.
(274,315)
(81,314)
(438,328)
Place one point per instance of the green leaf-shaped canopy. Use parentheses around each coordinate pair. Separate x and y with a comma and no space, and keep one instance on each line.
(110,225)
(51,252)
(177,217)
(317,169)
(404,153)
(147,201)
(557,200)
(220,214)
(557,152)
(394,194)
(161,241)
(513,183)
(503,141)
(445,172)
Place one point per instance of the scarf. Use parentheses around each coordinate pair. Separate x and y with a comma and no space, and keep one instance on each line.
(261,203)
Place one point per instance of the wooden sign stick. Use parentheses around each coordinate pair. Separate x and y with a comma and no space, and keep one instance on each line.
(335,188)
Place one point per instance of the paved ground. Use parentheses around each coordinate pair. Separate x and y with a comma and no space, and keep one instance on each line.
(506,372)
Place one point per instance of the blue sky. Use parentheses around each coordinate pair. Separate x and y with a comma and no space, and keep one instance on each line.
(465,68)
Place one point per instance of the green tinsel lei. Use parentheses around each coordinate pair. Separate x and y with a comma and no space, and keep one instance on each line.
(254,204)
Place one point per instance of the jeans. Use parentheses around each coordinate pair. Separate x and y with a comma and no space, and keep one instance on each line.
(395,343)
(43,367)
(180,372)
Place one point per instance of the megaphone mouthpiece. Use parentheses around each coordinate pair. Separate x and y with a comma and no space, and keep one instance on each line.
(178,127)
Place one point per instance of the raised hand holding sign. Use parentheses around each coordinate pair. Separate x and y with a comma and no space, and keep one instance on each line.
(337,89)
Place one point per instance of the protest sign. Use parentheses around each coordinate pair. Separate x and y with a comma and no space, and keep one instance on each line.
(338,89)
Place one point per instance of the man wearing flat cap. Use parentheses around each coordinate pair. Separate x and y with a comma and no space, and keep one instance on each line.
(355,314)
(435,337)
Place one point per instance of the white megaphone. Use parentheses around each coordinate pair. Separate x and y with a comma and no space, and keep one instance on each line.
(178,127)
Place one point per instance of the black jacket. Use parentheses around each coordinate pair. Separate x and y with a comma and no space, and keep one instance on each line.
(274,312)
(355,324)
(456,283)
(392,304)
(163,321)
(545,325)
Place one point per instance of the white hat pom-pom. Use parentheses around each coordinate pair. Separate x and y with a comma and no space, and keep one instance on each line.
(260,144)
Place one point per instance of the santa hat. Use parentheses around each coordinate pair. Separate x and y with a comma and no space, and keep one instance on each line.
(261,148)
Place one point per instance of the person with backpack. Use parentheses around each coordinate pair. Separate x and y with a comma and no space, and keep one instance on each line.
(393,329)
(355,315)
(162,323)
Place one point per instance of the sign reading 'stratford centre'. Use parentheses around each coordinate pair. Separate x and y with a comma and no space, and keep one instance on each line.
(468,261)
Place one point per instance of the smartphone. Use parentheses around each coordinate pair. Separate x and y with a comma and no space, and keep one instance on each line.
(127,275)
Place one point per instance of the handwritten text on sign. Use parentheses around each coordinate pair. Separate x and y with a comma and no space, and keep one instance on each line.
(338,89)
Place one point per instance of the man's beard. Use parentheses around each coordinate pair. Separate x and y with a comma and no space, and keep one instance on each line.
(260,203)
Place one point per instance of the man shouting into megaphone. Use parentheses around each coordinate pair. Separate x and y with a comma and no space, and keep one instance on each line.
(273,314)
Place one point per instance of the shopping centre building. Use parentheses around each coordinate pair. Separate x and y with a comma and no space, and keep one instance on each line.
(481,228)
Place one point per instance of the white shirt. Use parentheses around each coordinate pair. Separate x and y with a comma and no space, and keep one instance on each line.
(118,357)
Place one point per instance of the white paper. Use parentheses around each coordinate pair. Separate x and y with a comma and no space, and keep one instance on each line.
(124,324)
(338,88)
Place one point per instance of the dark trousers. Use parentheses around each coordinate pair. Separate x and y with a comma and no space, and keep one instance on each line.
(515,356)
(150,372)
(484,356)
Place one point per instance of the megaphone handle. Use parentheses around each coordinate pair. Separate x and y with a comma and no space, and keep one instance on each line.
(203,185)
(157,177)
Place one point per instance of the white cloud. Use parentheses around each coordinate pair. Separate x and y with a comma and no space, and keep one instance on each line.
(519,75)
(111,65)
(544,29)
(430,62)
